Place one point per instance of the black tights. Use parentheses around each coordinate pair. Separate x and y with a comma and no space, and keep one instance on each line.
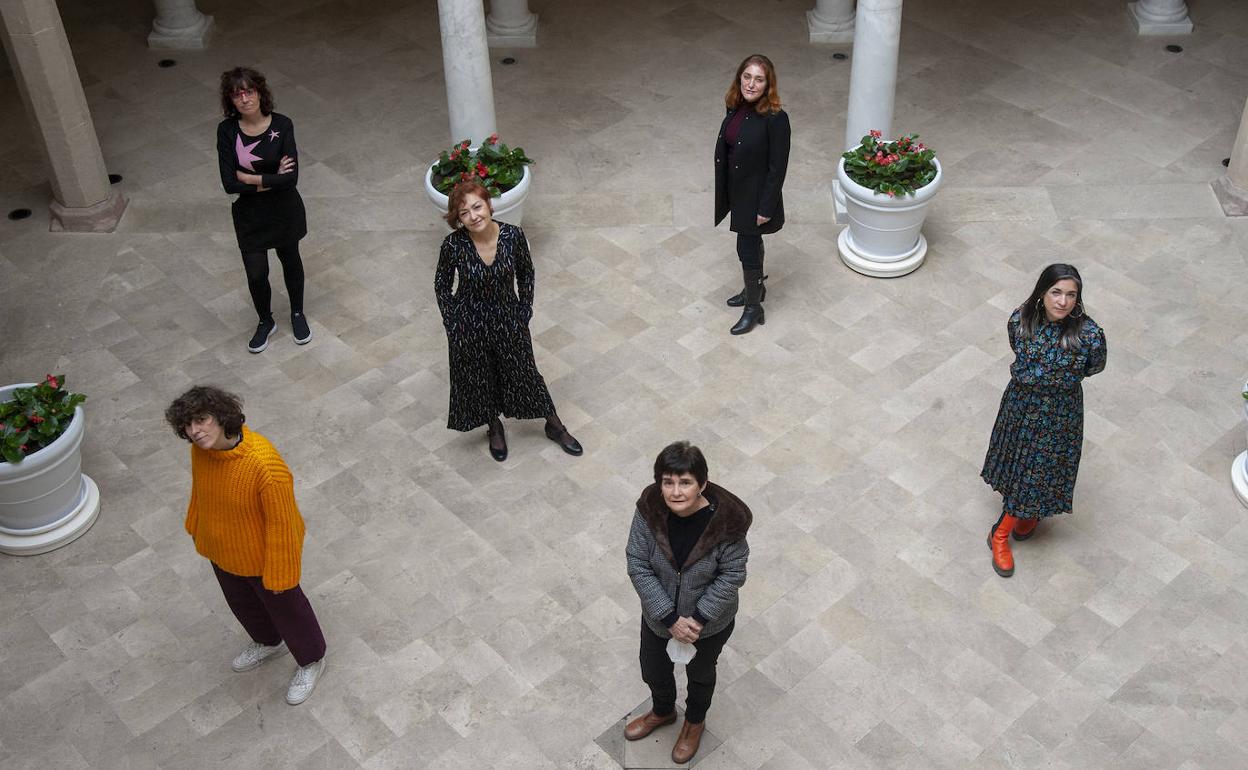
(750,251)
(256,263)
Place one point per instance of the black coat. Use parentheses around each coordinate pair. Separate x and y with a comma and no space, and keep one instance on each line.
(751,188)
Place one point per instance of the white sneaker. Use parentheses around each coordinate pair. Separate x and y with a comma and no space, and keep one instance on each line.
(255,654)
(303,682)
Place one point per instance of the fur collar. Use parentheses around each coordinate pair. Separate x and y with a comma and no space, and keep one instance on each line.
(731,521)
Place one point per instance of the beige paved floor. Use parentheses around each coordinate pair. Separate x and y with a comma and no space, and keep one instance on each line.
(479,615)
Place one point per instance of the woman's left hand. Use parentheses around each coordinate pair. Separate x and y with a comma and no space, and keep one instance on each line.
(762,220)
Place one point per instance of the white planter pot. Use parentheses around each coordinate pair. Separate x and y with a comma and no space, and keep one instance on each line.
(508,207)
(46,501)
(1239,466)
(884,237)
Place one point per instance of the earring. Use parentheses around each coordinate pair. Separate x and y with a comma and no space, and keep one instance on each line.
(1039,303)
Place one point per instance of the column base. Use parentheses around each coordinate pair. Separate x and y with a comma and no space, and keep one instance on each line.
(1239,477)
(1234,200)
(861,263)
(523,36)
(67,530)
(829,32)
(193,38)
(1148,26)
(103,217)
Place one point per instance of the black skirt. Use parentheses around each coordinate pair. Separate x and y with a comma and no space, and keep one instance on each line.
(266,220)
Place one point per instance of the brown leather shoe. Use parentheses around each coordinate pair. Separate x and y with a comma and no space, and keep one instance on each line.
(647,723)
(687,742)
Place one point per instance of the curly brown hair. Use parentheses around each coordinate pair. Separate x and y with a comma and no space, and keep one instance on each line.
(456,199)
(241,78)
(768,103)
(201,401)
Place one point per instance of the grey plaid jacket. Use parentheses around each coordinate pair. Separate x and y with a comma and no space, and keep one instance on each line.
(708,580)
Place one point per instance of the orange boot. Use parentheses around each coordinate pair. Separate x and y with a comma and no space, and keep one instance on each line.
(1025,528)
(999,542)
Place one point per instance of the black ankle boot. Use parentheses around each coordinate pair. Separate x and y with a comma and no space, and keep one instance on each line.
(738,299)
(752,315)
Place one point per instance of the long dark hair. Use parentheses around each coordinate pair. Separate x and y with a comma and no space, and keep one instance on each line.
(1031,314)
(768,103)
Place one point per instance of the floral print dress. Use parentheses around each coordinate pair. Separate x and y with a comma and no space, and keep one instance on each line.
(487,330)
(1033,456)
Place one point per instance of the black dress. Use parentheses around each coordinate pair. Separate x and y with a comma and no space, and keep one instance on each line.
(487,330)
(1033,455)
(275,217)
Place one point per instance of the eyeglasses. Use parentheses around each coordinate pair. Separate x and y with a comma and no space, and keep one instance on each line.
(242,92)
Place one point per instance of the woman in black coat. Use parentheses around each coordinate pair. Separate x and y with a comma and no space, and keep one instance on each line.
(257,157)
(751,158)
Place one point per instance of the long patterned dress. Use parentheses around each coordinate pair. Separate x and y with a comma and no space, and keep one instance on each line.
(1033,456)
(487,330)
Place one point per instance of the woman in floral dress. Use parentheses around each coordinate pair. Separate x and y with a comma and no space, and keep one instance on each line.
(1033,456)
(487,325)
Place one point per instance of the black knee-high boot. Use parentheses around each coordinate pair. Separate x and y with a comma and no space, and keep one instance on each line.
(752,315)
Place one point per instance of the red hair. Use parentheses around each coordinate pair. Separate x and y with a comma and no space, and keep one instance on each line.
(768,103)
(456,199)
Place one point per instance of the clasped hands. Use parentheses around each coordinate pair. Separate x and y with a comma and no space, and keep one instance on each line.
(286,166)
(686,630)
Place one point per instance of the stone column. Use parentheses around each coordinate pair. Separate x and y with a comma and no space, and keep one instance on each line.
(466,61)
(873,73)
(831,21)
(52,93)
(179,24)
(1160,17)
(872,77)
(511,24)
(1232,189)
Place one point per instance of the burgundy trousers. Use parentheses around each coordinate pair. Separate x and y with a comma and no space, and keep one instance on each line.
(270,617)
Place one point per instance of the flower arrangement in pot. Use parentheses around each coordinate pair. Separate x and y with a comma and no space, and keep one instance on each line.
(888,184)
(500,169)
(46,500)
(36,417)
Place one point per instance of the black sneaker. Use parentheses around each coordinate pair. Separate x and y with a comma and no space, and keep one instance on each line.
(299,327)
(260,340)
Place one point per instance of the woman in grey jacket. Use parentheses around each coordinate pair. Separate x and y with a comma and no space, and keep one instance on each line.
(686,557)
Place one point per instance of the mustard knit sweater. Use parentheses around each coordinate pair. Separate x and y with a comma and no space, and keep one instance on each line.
(242,513)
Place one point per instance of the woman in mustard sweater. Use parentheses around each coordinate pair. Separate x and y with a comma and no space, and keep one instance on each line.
(243,518)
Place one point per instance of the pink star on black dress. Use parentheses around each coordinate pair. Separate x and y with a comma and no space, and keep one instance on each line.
(274,134)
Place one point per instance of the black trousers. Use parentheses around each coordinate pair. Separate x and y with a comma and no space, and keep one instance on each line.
(657,672)
(750,251)
(256,263)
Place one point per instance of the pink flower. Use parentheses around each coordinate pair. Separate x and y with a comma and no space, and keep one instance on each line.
(52,381)
(876,134)
(493,139)
(36,419)
(891,194)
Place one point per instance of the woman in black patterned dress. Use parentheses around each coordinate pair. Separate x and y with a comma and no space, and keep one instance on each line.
(487,326)
(1033,456)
